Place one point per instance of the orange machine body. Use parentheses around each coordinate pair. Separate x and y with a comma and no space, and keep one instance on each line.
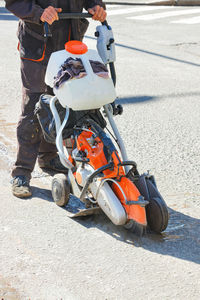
(94,150)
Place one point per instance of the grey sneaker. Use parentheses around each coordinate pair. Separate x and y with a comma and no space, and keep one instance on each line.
(54,164)
(21,187)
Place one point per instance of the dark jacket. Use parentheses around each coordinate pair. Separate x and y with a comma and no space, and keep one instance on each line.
(31,29)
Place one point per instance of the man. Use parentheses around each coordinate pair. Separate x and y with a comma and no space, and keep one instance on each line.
(35,51)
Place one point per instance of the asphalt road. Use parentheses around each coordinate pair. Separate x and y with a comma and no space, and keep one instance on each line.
(46,255)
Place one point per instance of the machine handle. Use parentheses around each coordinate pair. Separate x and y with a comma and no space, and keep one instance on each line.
(64,16)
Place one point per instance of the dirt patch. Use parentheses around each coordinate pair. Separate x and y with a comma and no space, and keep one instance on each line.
(3,164)
(7,133)
(6,291)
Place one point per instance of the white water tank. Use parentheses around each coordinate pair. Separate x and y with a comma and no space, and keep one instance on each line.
(89,92)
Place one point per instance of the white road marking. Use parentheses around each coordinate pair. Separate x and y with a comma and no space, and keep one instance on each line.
(165,14)
(111,6)
(194,20)
(7,13)
(124,11)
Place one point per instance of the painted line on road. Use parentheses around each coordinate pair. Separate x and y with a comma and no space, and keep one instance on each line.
(6,14)
(111,6)
(165,14)
(133,10)
(194,20)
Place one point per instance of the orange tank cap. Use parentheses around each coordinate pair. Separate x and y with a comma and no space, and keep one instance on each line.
(76,47)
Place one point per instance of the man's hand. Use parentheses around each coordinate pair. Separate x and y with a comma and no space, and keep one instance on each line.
(99,14)
(50,14)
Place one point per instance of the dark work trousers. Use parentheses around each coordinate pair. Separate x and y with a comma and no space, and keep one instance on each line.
(31,143)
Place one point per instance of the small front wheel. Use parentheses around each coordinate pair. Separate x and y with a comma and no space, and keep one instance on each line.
(157,214)
(60,189)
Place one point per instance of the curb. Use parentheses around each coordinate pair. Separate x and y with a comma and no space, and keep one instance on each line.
(170,2)
(167,3)
(188,2)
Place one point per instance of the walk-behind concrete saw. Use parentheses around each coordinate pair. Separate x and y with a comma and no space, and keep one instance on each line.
(99,172)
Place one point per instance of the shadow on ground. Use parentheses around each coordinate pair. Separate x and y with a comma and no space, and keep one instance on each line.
(181,239)
(42,193)
(135,100)
(147,98)
(147,52)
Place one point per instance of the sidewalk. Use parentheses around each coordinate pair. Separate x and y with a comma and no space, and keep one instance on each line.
(155,2)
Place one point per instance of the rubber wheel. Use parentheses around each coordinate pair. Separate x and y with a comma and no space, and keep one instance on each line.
(60,189)
(135,227)
(157,215)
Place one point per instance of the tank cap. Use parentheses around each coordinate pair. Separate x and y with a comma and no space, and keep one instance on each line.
(76,47)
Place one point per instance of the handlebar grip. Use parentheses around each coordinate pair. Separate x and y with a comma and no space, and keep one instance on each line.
(63,16)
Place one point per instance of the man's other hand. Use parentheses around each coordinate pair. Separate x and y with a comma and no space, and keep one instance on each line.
(99,14)
(50,14)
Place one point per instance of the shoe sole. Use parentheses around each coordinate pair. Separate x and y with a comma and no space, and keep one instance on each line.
(22,195)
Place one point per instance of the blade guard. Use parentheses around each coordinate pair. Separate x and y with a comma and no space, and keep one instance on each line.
(105,43)
(134,212)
